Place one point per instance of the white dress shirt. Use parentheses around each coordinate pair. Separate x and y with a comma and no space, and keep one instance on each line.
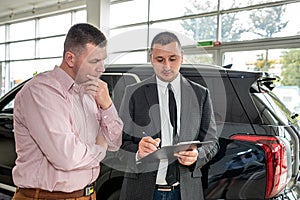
(166,127)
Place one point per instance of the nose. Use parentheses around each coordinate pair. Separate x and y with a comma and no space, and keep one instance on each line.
(167,64)
(100,67)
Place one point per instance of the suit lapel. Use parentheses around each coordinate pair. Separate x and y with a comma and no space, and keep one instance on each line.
(188,101)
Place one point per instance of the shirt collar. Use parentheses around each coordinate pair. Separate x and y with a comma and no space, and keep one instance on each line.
(164,85)
(66,81)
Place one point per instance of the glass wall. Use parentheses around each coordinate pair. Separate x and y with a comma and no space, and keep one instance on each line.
(2,34)
(27,29)
(245,34)
(234,20)
(62,24)
(39,48)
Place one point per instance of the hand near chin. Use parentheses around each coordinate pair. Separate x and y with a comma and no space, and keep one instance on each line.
(99,90)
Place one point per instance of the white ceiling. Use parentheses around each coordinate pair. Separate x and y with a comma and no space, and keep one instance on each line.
(11,8)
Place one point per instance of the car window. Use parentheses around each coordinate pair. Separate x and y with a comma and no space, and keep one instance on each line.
(272,111)
(9,107)
(227,107)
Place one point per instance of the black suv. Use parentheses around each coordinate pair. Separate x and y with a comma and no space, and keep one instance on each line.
(259,137)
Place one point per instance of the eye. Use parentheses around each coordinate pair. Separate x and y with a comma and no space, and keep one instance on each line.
(95,61)
(159,59)
(173,58)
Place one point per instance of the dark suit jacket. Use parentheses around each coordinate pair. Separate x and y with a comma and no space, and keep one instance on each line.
(140,112)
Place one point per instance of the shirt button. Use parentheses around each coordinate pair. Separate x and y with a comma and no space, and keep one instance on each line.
(105,117)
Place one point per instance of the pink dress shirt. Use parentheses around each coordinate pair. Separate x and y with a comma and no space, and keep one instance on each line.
(55,128)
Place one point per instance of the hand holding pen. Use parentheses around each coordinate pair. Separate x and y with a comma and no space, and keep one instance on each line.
(147,145)
(156,139)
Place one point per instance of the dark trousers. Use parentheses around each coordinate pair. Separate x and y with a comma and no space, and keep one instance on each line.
(172,195)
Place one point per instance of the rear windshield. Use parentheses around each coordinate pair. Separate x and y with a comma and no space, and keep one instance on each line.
(226,103)
(272,111)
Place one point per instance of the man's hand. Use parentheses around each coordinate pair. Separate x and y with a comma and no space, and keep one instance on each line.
(98,89)
(187,157)
(147,145)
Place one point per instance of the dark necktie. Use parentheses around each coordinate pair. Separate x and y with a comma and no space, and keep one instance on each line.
(173,111)
(173,171)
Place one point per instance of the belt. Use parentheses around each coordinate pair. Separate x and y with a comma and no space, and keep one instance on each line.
(44,194)
(166,188)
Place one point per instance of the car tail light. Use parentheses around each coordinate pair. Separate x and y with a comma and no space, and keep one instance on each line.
(276,161)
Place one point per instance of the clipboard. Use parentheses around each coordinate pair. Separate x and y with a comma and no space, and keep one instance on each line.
(167,152)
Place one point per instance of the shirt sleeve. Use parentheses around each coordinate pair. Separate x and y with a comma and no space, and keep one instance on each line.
(111,127)
(47,115)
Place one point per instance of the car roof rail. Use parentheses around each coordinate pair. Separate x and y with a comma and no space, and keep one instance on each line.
(227,66)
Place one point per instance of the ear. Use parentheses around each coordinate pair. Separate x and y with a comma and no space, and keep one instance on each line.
(151,58)
(182,57)
(70,58)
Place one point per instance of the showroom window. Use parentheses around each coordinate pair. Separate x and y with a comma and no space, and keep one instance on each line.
(27,29)
(233,21)
(236,20)
(62,25)
(247,35)
(22,50)
(2,52)
(2,34)
(229,4)
(122,16)
(39,48)
(244,34)
(55,44)
(168,9)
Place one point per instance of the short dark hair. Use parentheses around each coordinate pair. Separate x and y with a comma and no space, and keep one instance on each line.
(165,38)
(82,34)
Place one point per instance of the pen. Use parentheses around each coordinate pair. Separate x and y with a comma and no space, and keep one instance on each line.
(146,135)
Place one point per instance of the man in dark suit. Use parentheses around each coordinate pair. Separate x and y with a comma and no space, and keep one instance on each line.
(151,121)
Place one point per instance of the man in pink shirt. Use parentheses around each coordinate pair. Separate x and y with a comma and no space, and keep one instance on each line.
(64,121)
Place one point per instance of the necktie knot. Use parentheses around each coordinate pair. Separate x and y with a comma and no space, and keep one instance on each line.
(169,86)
